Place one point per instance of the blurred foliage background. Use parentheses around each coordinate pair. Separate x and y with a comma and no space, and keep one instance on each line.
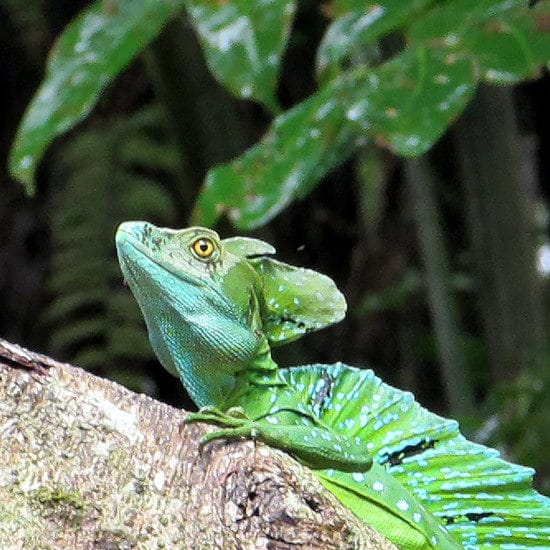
(401,147)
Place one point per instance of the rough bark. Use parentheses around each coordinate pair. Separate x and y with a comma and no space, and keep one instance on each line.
(85,463)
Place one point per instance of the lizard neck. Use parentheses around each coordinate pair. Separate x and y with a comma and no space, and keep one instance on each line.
(260,374)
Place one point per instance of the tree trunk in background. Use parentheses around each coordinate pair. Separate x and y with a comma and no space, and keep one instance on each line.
(502,231)
(443,306)
(204,117)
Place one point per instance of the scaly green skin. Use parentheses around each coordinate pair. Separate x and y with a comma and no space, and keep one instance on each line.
(214,308)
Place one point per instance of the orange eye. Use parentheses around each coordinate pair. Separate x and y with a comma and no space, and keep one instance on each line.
(203,248)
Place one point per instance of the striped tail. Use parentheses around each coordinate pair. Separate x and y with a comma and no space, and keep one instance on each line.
(482,500)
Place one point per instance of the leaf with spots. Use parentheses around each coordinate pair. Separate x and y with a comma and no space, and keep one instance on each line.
(296,301)
(407,103)
(393,103)
(355,27)
(404,104)
(244,42)
(302,145)
(506,41)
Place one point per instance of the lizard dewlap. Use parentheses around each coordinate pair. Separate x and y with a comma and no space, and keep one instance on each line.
(215,307)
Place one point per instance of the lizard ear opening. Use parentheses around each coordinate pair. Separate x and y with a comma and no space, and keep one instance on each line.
(296,300)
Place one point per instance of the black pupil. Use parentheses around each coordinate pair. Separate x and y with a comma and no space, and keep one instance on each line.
(203,245)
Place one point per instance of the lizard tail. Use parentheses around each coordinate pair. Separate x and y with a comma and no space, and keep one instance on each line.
(481,499)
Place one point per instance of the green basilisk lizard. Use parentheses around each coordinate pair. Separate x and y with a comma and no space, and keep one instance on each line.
(214,309)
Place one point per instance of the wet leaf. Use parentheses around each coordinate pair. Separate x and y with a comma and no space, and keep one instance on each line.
(507,41)
(393,103)
(407,103)
(301,146)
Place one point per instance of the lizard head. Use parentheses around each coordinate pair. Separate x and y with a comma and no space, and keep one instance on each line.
(213,307)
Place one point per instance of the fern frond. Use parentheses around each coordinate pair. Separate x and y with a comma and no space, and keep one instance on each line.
(108,173)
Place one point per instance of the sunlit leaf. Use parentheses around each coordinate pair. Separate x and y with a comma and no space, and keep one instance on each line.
(393,103)
(507,41)
(407,103)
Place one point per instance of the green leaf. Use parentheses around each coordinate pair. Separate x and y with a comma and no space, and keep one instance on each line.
(394,103)
(302,145)
(405,104)
(506,40)
(244,42)
(66,304)
(78,330)
(92,50)
(356,25)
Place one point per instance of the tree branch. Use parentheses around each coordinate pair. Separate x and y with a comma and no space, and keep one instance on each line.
(85,463)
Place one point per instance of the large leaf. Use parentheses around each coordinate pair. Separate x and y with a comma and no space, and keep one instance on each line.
(244,42)
(405,104)
(92,50)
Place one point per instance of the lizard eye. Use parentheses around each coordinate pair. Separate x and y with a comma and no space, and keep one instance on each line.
(203,248)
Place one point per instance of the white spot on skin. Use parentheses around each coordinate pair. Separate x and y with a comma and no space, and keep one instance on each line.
(350,422)
(358,476)
(378,486)
(355,112)
(417,517)
(402,505)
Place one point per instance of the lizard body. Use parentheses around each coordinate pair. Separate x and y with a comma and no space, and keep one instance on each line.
(214,309)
